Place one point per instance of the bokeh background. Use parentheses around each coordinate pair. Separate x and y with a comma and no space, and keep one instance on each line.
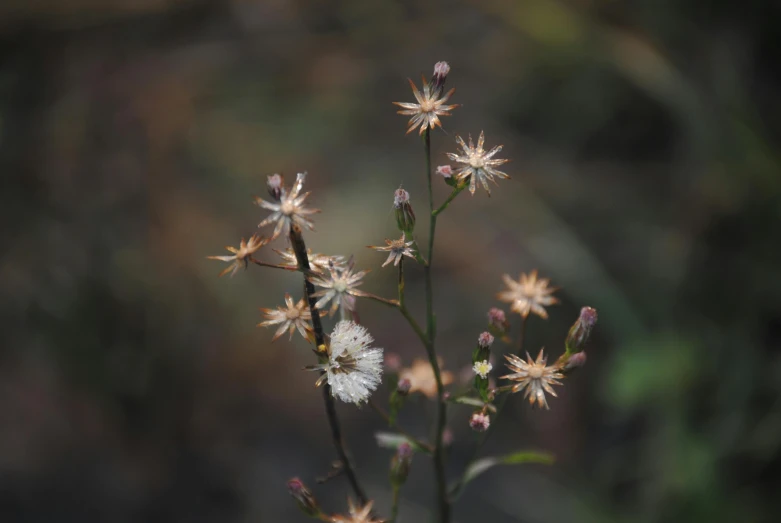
(134,385)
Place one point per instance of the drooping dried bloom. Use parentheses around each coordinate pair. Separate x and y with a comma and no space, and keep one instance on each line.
(482,368)
(354,367)
(397,249)
(357,514)
(304,498)
(290,318)
(535,376)
(339,287)
(289,209)
(485,340)
(478,165)
(529,294)
(430,106)
(421,377)
(242,255)
(405,216)
(581,330)
(480,421)
(318,263)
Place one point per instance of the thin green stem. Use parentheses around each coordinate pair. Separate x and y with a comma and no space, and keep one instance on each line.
(439,428)
(395,505)
(380,299)
(456,192)
(299,248)
(458,487)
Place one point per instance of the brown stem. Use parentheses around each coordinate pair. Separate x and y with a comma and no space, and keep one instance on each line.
(273,265)
(299,248)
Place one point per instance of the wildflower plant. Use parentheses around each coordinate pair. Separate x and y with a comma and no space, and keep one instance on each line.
(351,365)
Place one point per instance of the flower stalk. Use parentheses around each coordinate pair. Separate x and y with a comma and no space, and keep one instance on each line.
(299,248)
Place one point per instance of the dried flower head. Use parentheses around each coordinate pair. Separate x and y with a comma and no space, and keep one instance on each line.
(242,255)
(478,165)
(421,377)
(430,106)
(529,294)
(480,421)
(535,376)
(397,249)
(318,263)
(354,367)
(288,209)
(290,317)
(357,514)
(339,287)
(482,368)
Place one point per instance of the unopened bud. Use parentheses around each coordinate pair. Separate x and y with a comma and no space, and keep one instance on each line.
(485,340)
(404,387)
(405,216)
(441,70)
(275,186)
(445,171)
(497,321)
(581,330)
(575,361)
(480,421)
(400,464)
(304,498)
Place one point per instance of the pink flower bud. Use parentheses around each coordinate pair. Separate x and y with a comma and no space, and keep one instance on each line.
(576,360)
(485,340)
(581,330)
(441,70)
(445,171)
(479,421)
(404,386)
(304,498)
(275,186)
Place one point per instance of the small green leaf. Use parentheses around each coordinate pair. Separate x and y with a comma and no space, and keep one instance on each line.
(392,440)
(516,458)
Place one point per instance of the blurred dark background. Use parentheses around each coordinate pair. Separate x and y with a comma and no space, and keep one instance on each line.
(134,385)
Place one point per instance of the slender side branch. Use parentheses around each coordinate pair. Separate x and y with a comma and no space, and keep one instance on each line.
(299,247)
(456,192)
(273,265)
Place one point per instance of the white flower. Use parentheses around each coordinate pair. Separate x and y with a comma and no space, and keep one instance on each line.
(289,209)
(482,368)
(534,377)
(354,368)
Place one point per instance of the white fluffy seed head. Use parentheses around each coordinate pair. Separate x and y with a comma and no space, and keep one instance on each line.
(355,368)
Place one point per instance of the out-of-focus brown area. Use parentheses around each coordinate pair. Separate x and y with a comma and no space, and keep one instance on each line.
(134,385)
